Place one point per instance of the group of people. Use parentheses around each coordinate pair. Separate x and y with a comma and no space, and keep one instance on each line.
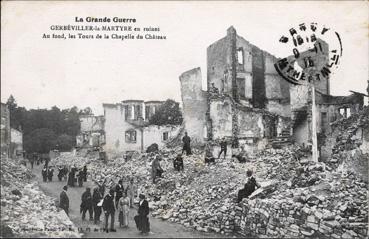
(77,175)
(47,173)
(239,155)
(120,199)
(62,172)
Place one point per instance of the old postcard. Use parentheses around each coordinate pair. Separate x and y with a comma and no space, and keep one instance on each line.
(195,119)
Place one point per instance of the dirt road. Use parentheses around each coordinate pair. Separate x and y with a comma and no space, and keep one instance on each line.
(158,227)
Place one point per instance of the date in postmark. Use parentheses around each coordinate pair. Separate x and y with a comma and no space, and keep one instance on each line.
(316,53)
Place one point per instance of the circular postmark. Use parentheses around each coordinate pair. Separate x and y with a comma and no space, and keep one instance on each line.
(316,53)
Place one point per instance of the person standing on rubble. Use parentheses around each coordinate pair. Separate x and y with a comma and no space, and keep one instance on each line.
(142,221)
(223,148)
(209,158)
(87,204)
(64,200)
(186,144)
(109,210)
(118,192)
(249,188)
(178,163)
(156,169)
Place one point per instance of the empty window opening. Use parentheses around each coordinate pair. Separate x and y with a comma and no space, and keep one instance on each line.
(165,136)
(131,136)
(240,56)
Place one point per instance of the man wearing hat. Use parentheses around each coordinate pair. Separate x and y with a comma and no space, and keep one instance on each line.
(109,210)
(142,220)
(64,200)
(87,204)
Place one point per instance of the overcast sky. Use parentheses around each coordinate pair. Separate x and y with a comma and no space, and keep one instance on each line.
(46,72)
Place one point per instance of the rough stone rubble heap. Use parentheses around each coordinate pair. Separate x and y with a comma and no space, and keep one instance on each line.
(297,199)
(345,139)
(25,210)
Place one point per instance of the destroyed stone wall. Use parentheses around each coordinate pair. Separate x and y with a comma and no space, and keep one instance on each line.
(91,123)
(221,111)
(5,130)
(151,107)
(299,96)
(155,134)
(16,143)
(300,133)
(250,124)
(195,105)
(219,64)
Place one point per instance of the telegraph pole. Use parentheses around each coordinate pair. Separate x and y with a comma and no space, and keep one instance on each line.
(313,126)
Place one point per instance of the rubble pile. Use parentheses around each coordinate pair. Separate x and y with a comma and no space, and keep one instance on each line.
(335,208)
(69,159)
(351,147)
(347,128)
(26,210)
(297,198)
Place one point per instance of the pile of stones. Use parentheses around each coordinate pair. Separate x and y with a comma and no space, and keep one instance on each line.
(297,198)
(25,210)
(335,208)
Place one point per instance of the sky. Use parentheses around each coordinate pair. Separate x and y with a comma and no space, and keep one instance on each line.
(41,73)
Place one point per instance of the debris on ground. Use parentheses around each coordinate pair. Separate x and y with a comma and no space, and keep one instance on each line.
(25,210)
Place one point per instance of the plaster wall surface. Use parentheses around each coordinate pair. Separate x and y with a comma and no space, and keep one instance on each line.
(195,104)
(221,115)
(115,131)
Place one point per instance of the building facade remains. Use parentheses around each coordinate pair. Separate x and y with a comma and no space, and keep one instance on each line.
(127,126)
(92,131)
(5,131)
(250,104)
(16,143)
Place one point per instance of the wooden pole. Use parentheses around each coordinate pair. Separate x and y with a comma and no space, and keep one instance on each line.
(313,127)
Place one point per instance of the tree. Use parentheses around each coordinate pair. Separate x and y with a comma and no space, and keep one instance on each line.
(12,104)
(168,113)
(40,140)
(65,142)
(86,111)
(17,114)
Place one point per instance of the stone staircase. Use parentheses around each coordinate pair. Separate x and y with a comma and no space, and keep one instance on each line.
(281,141)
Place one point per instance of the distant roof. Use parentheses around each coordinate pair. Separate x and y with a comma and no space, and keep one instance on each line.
(359,93)
(154,101)
(131,101)
(109,105)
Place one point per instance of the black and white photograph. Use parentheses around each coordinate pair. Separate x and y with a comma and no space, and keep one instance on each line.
(184,119)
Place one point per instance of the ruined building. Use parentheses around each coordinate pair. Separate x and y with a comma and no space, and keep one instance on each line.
(127,127)
(5,131)
(249,103)
(11,139)
(92,131)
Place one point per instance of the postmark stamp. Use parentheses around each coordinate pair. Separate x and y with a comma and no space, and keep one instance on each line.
(316,53)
